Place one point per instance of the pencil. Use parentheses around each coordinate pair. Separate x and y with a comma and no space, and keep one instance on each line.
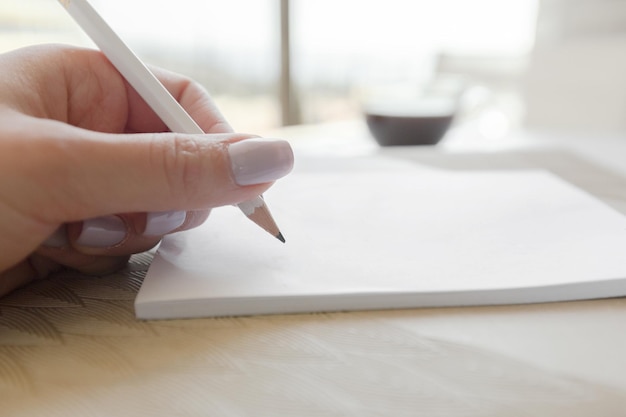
(153,92)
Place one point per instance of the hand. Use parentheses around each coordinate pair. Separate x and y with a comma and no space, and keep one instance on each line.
(83,160)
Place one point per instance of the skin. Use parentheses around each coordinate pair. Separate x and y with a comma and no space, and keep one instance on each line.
(77,142)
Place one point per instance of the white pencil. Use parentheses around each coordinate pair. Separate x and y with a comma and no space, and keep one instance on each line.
(152,91)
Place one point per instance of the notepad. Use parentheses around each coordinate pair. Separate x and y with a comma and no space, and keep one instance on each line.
(389,240)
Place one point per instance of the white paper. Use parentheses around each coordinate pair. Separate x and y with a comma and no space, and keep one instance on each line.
(394,240)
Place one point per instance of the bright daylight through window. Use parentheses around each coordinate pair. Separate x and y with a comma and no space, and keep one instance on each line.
(341,51)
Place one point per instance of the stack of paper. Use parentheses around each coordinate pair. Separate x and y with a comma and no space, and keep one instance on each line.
(394,240)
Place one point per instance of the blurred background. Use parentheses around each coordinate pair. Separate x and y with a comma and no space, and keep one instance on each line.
(549,64)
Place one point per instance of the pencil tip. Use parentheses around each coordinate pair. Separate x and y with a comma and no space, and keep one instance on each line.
(280,237)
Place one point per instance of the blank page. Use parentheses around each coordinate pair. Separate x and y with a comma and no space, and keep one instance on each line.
(394,240)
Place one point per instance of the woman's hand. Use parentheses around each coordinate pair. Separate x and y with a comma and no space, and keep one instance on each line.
(89,174)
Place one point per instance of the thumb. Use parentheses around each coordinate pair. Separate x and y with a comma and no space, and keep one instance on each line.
(97,174)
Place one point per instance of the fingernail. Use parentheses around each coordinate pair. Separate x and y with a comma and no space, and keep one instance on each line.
(102,232)
(255,161)
(163,222)
(58,239)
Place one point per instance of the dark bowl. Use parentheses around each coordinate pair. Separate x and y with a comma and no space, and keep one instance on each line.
(409,123)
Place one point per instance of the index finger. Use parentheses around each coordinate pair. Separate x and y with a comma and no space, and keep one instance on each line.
(192,97)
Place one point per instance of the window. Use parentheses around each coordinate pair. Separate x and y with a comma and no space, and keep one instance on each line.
(346,51)
(340,49)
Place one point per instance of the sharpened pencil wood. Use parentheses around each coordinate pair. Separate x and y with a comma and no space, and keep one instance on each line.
(262,216)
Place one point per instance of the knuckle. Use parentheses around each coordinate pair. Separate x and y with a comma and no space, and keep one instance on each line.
(181,163)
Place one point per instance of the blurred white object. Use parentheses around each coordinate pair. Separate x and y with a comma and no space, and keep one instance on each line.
(577,75)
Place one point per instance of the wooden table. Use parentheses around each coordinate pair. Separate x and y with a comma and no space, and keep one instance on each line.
(70,345)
